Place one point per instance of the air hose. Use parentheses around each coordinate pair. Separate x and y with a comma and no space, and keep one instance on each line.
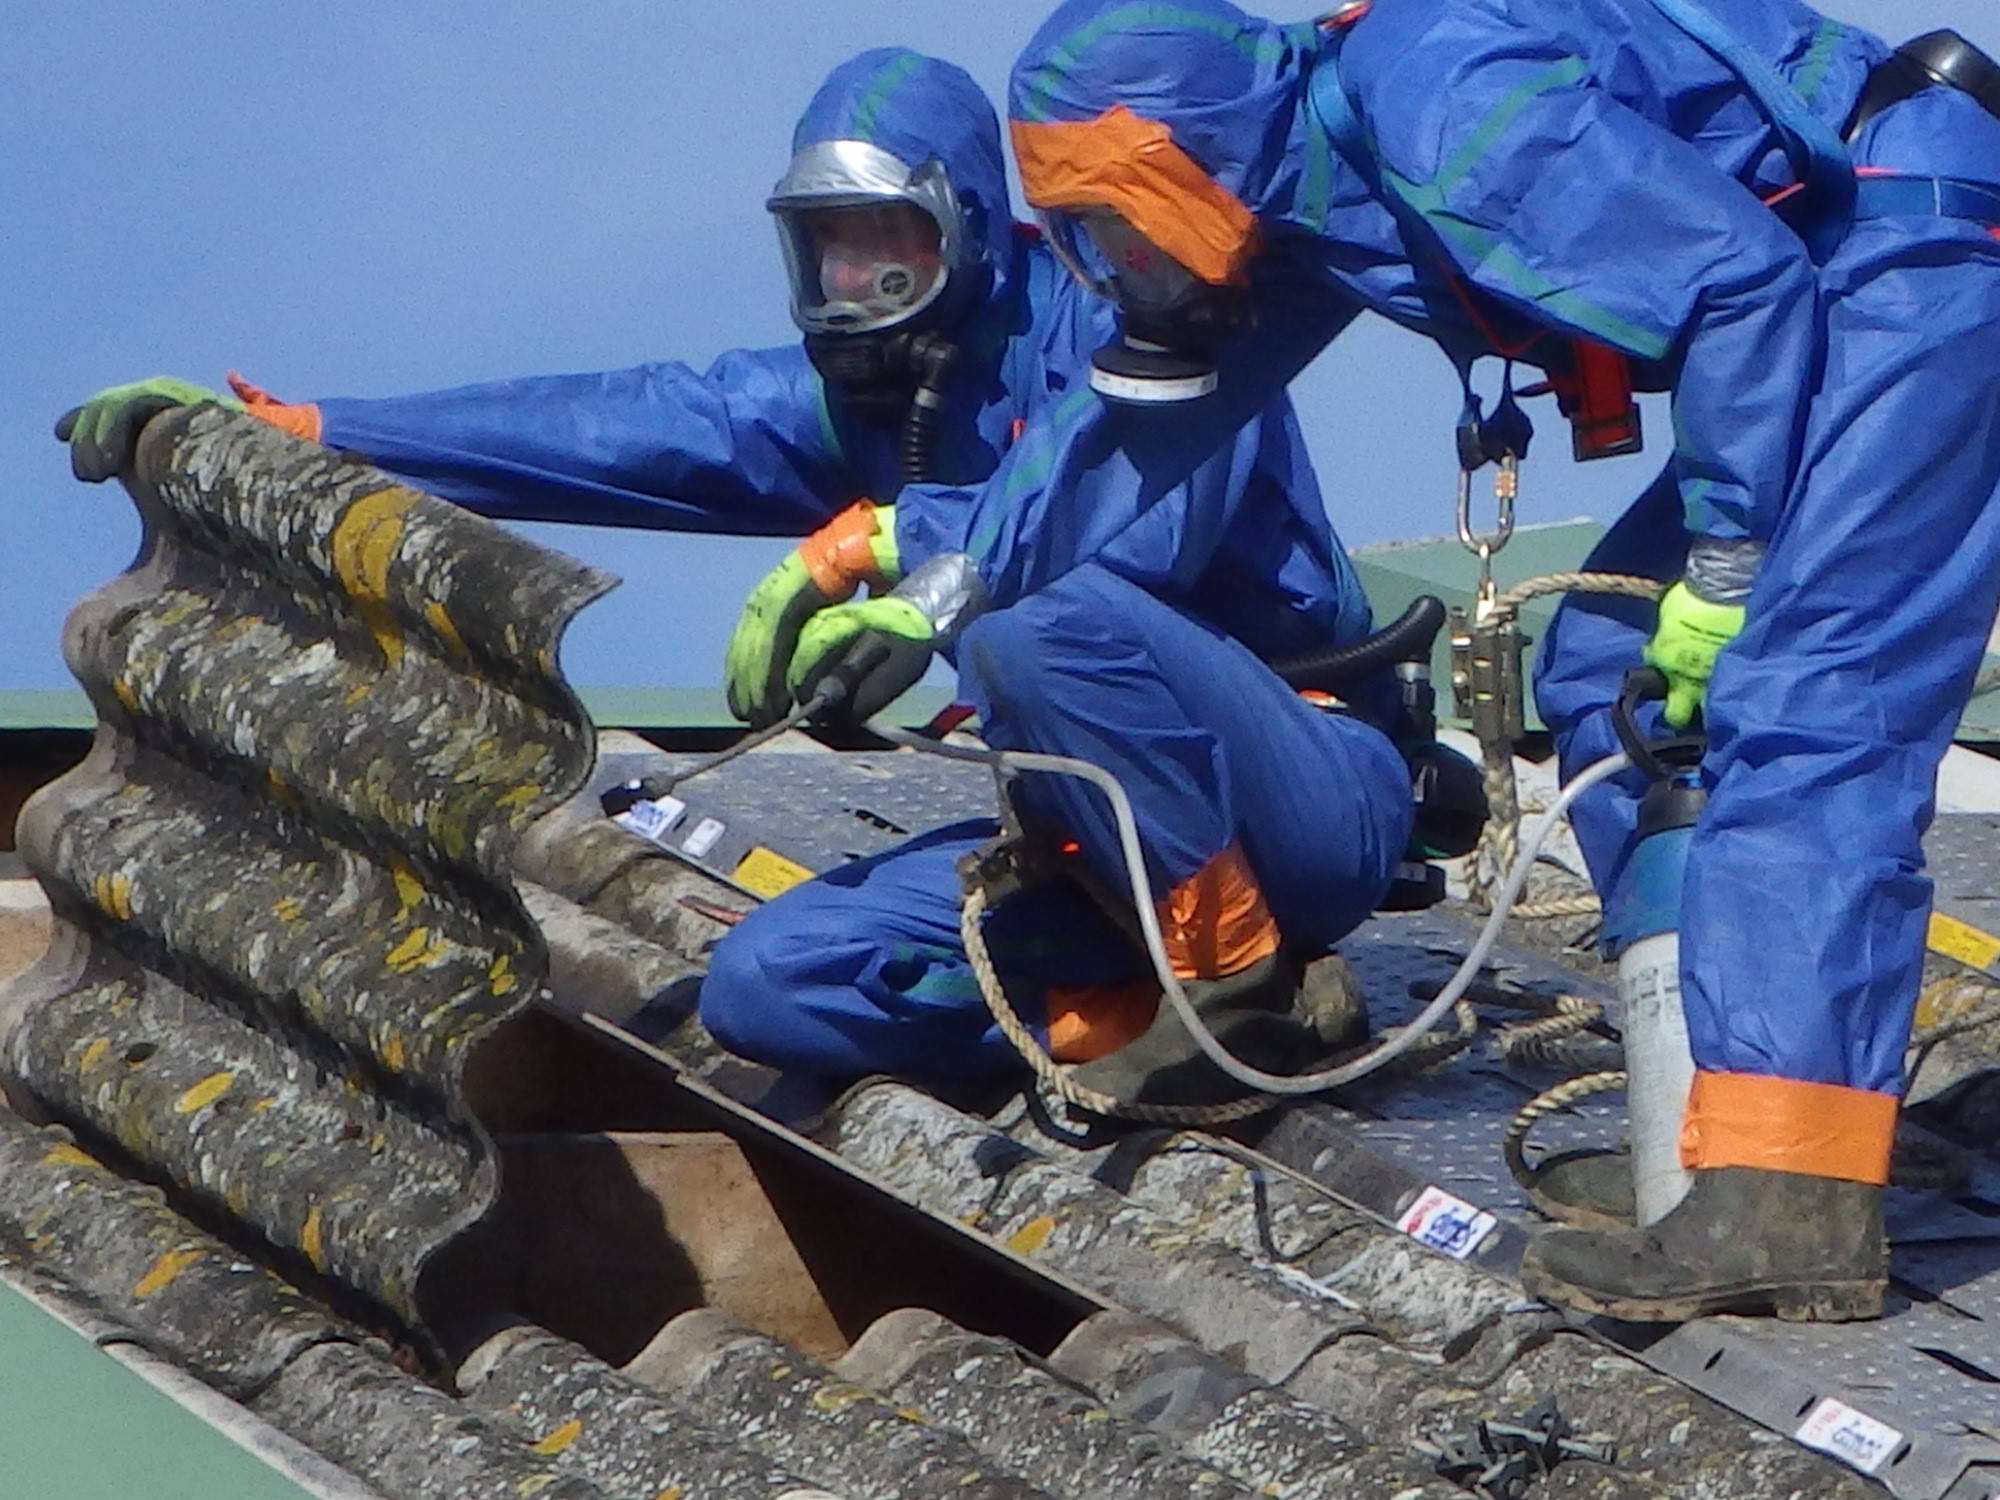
(1326,670)
(1275,1084)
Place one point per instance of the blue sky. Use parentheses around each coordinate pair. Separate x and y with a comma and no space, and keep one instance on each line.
(372,198)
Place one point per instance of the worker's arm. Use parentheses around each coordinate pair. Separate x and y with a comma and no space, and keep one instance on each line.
(749,447)
(1147,491)
(1550,194)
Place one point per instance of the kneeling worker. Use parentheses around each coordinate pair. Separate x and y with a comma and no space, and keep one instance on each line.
(937,333)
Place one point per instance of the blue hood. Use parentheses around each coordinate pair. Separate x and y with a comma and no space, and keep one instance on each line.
(916,108)
(1227,84)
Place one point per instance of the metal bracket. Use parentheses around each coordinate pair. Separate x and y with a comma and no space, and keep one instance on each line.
(1486,680)
(1499,1460)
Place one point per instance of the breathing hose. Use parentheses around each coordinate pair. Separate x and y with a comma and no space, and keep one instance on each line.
(916,444)
(1413,630)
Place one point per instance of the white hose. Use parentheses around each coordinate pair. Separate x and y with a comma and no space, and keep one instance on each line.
(1392,1046)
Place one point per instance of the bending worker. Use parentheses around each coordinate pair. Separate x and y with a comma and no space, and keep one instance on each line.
(1666,181)
(936,330)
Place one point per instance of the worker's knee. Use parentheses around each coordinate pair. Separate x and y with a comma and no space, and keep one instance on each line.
(1039,658)
(1001,649)
(747,995)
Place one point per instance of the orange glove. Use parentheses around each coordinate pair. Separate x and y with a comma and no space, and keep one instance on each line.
(301,420)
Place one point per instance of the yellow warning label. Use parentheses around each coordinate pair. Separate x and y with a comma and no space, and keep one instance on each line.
(766,873)
(1962,941)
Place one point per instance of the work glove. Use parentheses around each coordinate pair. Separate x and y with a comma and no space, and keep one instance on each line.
(1690,634)
(877,649)
(103,431)
(857,546)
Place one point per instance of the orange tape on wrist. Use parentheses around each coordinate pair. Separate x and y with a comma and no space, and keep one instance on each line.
(838,557)
(301,421)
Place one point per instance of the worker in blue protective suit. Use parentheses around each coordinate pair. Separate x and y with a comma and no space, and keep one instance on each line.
(935,331)
(1760,212)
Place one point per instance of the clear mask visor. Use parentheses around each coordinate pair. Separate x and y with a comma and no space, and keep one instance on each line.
(1114,260)
(856,268)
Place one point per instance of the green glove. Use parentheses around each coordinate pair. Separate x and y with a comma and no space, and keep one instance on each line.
(1690,633)
(857,546)
(880,647)
(103,431)
(761,646)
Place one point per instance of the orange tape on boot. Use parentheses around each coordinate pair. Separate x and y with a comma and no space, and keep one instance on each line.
(1215,922)
(1785,1125)
(1086,1024)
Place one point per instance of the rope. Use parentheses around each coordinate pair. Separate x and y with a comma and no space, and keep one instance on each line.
(1584,905)
(1053,1074)
(1538,1042)
(1571,1091)
(1626,585)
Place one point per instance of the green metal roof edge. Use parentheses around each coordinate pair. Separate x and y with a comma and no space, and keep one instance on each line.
(77,1425)
(707,708)
(46,708)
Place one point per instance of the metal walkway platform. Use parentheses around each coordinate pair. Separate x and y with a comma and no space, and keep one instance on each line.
(1912,1400)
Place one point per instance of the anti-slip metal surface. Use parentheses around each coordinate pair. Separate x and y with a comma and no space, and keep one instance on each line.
(1913,1399)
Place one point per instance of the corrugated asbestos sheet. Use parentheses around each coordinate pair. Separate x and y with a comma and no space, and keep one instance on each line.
(328,707)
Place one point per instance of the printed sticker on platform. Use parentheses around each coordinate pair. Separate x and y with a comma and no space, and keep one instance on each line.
(1854,1436)
(767,873)
(655,819)
(1962,941)
(707,833)
(1446,1223)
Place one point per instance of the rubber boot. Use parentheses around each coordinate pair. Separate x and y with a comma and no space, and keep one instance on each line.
(1744,1240)
(1591,1188)
(1277,1015)
(1252,1013)
(1332,1004)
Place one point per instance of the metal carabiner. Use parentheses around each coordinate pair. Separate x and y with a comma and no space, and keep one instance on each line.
(1506,487)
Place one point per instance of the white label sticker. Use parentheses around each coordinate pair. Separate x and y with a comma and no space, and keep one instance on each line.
(1837,1428)
(704,837)
(1446,1223)
(653,820)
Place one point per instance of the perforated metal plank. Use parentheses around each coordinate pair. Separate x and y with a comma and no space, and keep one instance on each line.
(817,808)
(1959,853)
(1924,1370)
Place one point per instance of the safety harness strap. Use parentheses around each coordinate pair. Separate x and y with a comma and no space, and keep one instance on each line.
(1946,197)
(1816,153)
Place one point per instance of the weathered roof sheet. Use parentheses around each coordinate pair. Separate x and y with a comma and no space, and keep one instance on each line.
(328,707)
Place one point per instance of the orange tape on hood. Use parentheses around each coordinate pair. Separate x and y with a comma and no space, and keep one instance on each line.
(1132,166)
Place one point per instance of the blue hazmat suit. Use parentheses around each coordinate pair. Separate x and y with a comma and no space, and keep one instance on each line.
(1145,655)
(1504,175)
